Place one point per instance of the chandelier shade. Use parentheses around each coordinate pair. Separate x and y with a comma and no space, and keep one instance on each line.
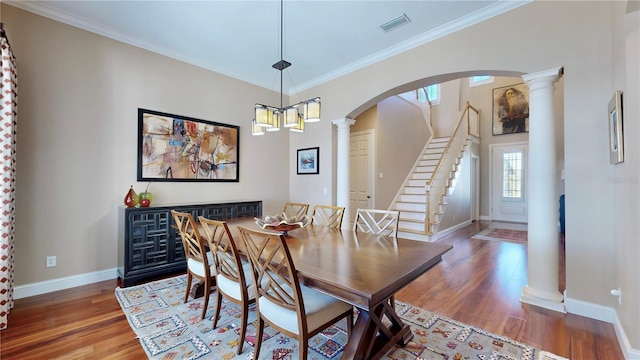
(271,118)
(256,129)
(264,116)
(312,110)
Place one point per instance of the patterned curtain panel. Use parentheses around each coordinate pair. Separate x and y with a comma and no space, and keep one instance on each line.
(8,121)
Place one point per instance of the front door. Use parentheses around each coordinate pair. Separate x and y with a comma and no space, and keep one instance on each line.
(361,169)
(508,182)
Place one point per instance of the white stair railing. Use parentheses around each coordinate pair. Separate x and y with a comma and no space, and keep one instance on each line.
(441,180)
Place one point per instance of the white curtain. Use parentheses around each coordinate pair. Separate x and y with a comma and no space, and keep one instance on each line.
(8,121)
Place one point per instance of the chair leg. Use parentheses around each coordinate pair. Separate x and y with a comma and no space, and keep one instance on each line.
(243,325)
(349,323)
(186,295)
(217,312)
(259,330)
(304,347)
(207,292)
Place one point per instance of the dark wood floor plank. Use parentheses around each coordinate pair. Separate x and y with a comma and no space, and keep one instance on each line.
(478,282)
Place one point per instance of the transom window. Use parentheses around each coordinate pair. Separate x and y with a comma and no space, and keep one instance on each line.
(430,93)
(480,80)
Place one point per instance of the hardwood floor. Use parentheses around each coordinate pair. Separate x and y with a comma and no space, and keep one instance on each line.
(478,282)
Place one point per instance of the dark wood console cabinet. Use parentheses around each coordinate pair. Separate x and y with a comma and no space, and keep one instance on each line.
(150,247)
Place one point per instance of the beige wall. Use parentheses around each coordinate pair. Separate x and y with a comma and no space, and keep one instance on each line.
(79,92)
(77,143)
(576,35)
(401,135)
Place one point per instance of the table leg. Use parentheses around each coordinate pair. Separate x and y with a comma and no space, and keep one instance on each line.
(371,338)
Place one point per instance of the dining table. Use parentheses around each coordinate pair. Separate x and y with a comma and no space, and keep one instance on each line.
(362,269)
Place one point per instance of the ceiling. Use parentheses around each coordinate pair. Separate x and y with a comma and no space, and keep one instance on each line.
(322,39)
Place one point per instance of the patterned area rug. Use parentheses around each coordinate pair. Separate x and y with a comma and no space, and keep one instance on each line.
(518,236)
(170,329)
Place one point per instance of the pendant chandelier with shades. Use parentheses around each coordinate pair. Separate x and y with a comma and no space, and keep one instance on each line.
(271,118)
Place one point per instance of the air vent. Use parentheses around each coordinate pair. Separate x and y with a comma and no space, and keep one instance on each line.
(395,22)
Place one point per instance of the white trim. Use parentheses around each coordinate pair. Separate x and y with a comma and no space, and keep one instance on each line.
(606,314)
(43,287)
(497,8)
(449,230)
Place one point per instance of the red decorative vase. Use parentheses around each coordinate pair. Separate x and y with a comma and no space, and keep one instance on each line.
(131,199)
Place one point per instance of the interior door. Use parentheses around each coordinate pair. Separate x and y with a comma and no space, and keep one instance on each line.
(361,170)
(508,182)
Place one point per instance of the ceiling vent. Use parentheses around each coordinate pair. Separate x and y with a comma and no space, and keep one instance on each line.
(395,22)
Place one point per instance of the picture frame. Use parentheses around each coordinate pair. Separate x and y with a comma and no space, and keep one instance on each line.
(510,110)
(181,148)
(616,135)
(308,161)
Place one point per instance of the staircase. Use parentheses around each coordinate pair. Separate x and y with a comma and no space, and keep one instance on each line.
(423,198)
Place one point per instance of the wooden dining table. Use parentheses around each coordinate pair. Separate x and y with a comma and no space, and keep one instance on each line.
(364,270)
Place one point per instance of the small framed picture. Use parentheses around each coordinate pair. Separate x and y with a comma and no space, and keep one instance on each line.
(309,161)
(616,138)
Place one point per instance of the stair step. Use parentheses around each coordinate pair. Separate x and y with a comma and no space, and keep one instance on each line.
(412,235)
(411,225)
(428,162)
(434,151)
(414,198)
(411,215)
(423,176)
(414,190)
(426,156)
(400,205)
(439,140)
(417,182)
(425,169)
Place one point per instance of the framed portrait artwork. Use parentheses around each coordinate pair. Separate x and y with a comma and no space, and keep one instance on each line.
(616,138)
(308,161)
(180,148)
(510,110)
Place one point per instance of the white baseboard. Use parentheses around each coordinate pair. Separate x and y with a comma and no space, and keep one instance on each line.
(448,231)
(43,287)
(607,314)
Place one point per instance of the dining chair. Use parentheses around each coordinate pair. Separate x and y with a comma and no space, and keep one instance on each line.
(291,209)
(283,302)
(379,222)
(329,216)
(200,263)
(233,276)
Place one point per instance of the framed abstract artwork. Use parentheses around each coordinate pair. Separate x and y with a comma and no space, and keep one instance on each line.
(308,161)
(180,148)
(616,138)
(510,109)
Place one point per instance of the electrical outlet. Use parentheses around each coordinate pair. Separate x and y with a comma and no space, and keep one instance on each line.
(51,261)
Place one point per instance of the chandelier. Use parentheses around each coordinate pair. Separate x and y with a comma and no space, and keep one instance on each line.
(271,118)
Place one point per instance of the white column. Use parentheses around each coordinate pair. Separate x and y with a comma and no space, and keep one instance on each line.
(542,288)
(342,181)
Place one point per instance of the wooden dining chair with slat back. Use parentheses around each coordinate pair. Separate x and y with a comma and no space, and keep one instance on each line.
(328,216)
(291,209)
(283,302)
(233,276)
(200,263)
(379,222)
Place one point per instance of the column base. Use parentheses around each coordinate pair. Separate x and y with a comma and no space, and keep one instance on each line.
(551,301)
